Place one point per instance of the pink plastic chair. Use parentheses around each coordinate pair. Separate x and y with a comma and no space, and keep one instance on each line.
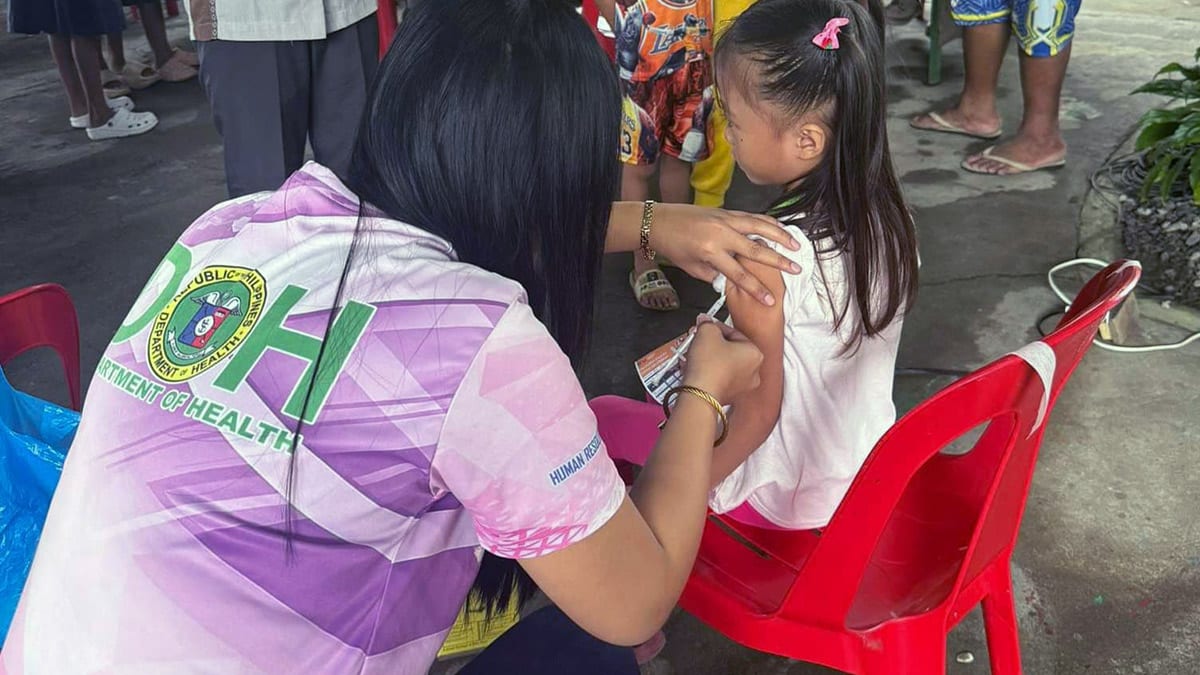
(920,539)
(42,316)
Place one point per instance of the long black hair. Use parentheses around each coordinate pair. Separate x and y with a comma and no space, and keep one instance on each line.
(493,125)
(853,198)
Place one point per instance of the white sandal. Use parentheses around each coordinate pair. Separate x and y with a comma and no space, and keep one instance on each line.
(139,75)
(124,123)
(119,103)
(114,86)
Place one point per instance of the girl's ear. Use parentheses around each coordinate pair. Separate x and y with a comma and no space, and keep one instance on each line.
(809,141)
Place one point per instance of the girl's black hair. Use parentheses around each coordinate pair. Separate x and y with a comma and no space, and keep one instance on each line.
(852,198)
(493,125)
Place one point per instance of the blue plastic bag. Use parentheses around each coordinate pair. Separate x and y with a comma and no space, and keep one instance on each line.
(34,438)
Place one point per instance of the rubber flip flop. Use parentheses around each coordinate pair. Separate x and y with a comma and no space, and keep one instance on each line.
(944,126)
(175,70)
(1017,167)
(139,75)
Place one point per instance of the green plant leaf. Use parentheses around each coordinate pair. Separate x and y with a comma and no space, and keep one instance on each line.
(1152,178)
(1154,132)
(1187,134)
(1174,170)
(1188,72)
(1194,177)
(1171,88)
(1172,67)
(1176,114)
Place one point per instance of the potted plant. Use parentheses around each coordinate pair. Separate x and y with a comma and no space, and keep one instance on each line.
(1163,228)
(1170,136)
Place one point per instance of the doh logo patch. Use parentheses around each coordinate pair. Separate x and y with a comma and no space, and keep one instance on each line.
(206,322)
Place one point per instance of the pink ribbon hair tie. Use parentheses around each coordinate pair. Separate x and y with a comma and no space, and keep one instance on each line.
(828,38)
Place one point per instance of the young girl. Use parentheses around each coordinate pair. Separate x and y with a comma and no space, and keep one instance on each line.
(802,85)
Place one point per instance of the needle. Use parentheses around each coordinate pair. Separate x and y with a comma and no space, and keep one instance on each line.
(678,352)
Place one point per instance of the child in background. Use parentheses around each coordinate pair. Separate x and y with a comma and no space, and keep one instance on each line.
(664,50)
(712,176)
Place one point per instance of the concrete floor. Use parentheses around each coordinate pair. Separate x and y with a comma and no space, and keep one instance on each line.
(1108,566)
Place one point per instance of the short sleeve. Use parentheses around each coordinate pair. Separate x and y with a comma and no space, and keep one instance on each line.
(520,448)
(800,288)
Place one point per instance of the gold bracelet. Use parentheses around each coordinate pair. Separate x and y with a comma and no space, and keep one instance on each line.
(647,220)
(703,396)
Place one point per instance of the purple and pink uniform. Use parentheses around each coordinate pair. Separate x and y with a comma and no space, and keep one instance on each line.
(443,419)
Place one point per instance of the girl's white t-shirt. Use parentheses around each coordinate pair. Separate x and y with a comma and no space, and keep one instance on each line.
(836,406)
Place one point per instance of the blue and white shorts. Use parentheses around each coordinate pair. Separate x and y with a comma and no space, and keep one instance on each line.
(1043,27)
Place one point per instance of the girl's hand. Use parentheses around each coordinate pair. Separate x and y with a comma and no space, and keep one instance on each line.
(705,242)
(722,361)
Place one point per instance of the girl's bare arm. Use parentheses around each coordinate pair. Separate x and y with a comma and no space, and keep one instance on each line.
(756,412)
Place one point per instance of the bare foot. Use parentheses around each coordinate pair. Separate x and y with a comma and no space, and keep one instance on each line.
(1019,155)
(657,293)
(958,121)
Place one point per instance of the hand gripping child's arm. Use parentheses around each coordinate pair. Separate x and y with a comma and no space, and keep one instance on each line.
(755,413)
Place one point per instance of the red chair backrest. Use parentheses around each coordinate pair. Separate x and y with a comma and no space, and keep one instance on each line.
(918,524)
(42,316)
(386,16)
(591,14)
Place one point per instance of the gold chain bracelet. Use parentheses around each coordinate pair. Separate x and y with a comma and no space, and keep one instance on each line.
(703,396)
(647,220)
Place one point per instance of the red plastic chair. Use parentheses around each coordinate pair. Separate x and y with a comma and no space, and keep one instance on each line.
(920,539)
(591,14)
(42,316)
(386,16)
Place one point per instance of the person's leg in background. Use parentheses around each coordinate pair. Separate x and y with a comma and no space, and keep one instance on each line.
(259,94)
(986,27)
(1045,36)
(674,177)
(107,119)
(343,66)
(548,643)
(86,51)
(116,52)
(131,72)
(64,59)
(712,176)
(172,64)
(642,131)
(650,286)
(155,26)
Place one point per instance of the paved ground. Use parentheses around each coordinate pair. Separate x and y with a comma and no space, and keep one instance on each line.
(1108,567)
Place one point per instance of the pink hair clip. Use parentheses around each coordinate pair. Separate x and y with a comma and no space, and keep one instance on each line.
(828,38)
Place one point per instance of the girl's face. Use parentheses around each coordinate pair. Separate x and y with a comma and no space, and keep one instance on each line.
(767,153)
